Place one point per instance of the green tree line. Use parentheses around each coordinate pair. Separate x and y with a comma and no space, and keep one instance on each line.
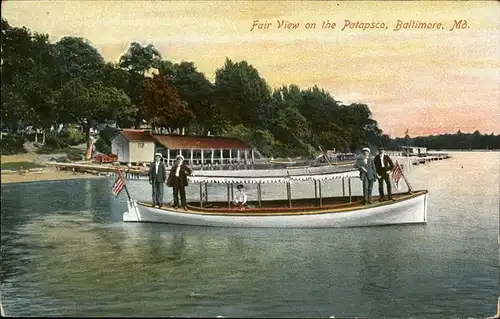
(457,141)
(45,84)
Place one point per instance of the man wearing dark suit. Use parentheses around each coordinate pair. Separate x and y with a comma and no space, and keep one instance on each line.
(177,179)
(157,177)
(384,166)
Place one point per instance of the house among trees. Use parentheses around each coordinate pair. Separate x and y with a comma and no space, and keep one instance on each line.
(139,146)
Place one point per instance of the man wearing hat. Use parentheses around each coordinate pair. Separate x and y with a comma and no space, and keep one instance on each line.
(240,198)
(384,166)
(177,179)
(157,176)
(367,174)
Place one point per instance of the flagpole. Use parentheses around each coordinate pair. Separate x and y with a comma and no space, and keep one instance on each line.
(406,180)
(124,184)
(325,155)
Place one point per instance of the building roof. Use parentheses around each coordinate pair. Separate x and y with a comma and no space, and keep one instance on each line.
(137,135)
(200,142)
(185,141)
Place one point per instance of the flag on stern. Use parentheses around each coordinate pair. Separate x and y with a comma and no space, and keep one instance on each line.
(396,174)
(119,184)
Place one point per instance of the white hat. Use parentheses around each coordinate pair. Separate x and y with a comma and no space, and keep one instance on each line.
(179,157)
(365,149)
(158,154)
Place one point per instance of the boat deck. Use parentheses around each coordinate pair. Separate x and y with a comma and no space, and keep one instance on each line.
(298,206)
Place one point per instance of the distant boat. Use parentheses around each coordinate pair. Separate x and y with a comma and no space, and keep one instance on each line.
(289,162)
(318,212)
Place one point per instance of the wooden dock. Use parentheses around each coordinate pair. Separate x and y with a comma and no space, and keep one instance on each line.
(102,170)
(418,159)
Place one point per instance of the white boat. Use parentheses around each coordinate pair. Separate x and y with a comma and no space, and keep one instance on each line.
(318,212)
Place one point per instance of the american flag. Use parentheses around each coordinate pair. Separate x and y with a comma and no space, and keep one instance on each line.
(119,184)
(396,174)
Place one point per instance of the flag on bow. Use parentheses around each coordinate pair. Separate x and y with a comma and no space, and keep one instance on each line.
(119,184)
(396,174)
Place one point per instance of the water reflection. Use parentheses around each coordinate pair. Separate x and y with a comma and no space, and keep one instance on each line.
(65,251)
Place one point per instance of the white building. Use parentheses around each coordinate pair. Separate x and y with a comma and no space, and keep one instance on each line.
(133,146)
(139,146)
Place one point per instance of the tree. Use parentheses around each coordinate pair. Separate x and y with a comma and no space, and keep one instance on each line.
(196,90)
(138,61)
(161,103)
(82,103)
(28,66)
(77,58)
(242,94)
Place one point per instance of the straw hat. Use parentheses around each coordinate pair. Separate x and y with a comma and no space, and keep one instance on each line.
(179,157)
(365,149)
(158,154)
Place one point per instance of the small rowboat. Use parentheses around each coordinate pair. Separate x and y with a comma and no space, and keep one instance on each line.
(318,212)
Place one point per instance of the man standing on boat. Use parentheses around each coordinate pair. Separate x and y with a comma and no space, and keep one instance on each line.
(367,174)
(157,176)
(384,166)
(177,179)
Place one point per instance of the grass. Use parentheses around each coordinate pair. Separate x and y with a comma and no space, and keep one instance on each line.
(17,166)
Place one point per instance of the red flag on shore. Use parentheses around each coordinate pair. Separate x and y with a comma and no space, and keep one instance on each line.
(119,184)
(396,174)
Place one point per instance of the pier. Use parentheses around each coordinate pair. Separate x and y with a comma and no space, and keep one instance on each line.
(101,170)
(141,172)
(417,159)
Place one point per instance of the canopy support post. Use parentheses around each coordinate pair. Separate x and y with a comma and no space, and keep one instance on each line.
(343,187)
(315,192)
(259,195)
(201,195)
(228,197)
(232,191)
(320,197)
(350,196)
(206,193)
(289,194)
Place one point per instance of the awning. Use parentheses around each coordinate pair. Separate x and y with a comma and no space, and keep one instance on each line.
(272,176)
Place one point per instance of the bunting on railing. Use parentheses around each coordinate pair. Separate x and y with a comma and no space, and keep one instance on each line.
(228,179)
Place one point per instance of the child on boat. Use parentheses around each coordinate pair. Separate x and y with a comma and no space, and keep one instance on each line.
(240,198)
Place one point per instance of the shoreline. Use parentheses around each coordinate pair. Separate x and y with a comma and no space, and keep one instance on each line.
(42,174)
(47,174)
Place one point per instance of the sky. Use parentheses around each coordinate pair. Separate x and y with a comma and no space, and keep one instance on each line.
(426,81)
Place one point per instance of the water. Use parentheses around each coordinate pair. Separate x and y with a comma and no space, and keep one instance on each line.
(65,252)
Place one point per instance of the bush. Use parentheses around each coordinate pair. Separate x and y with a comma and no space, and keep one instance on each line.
(74,154)
(53,142)
(12,144)
(102,147)
(72,137)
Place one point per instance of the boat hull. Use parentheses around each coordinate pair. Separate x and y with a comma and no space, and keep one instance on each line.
(409,210)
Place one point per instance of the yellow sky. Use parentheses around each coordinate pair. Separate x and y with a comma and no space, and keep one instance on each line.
(429,81)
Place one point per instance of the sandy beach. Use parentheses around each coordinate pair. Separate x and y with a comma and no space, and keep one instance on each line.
(40,174)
